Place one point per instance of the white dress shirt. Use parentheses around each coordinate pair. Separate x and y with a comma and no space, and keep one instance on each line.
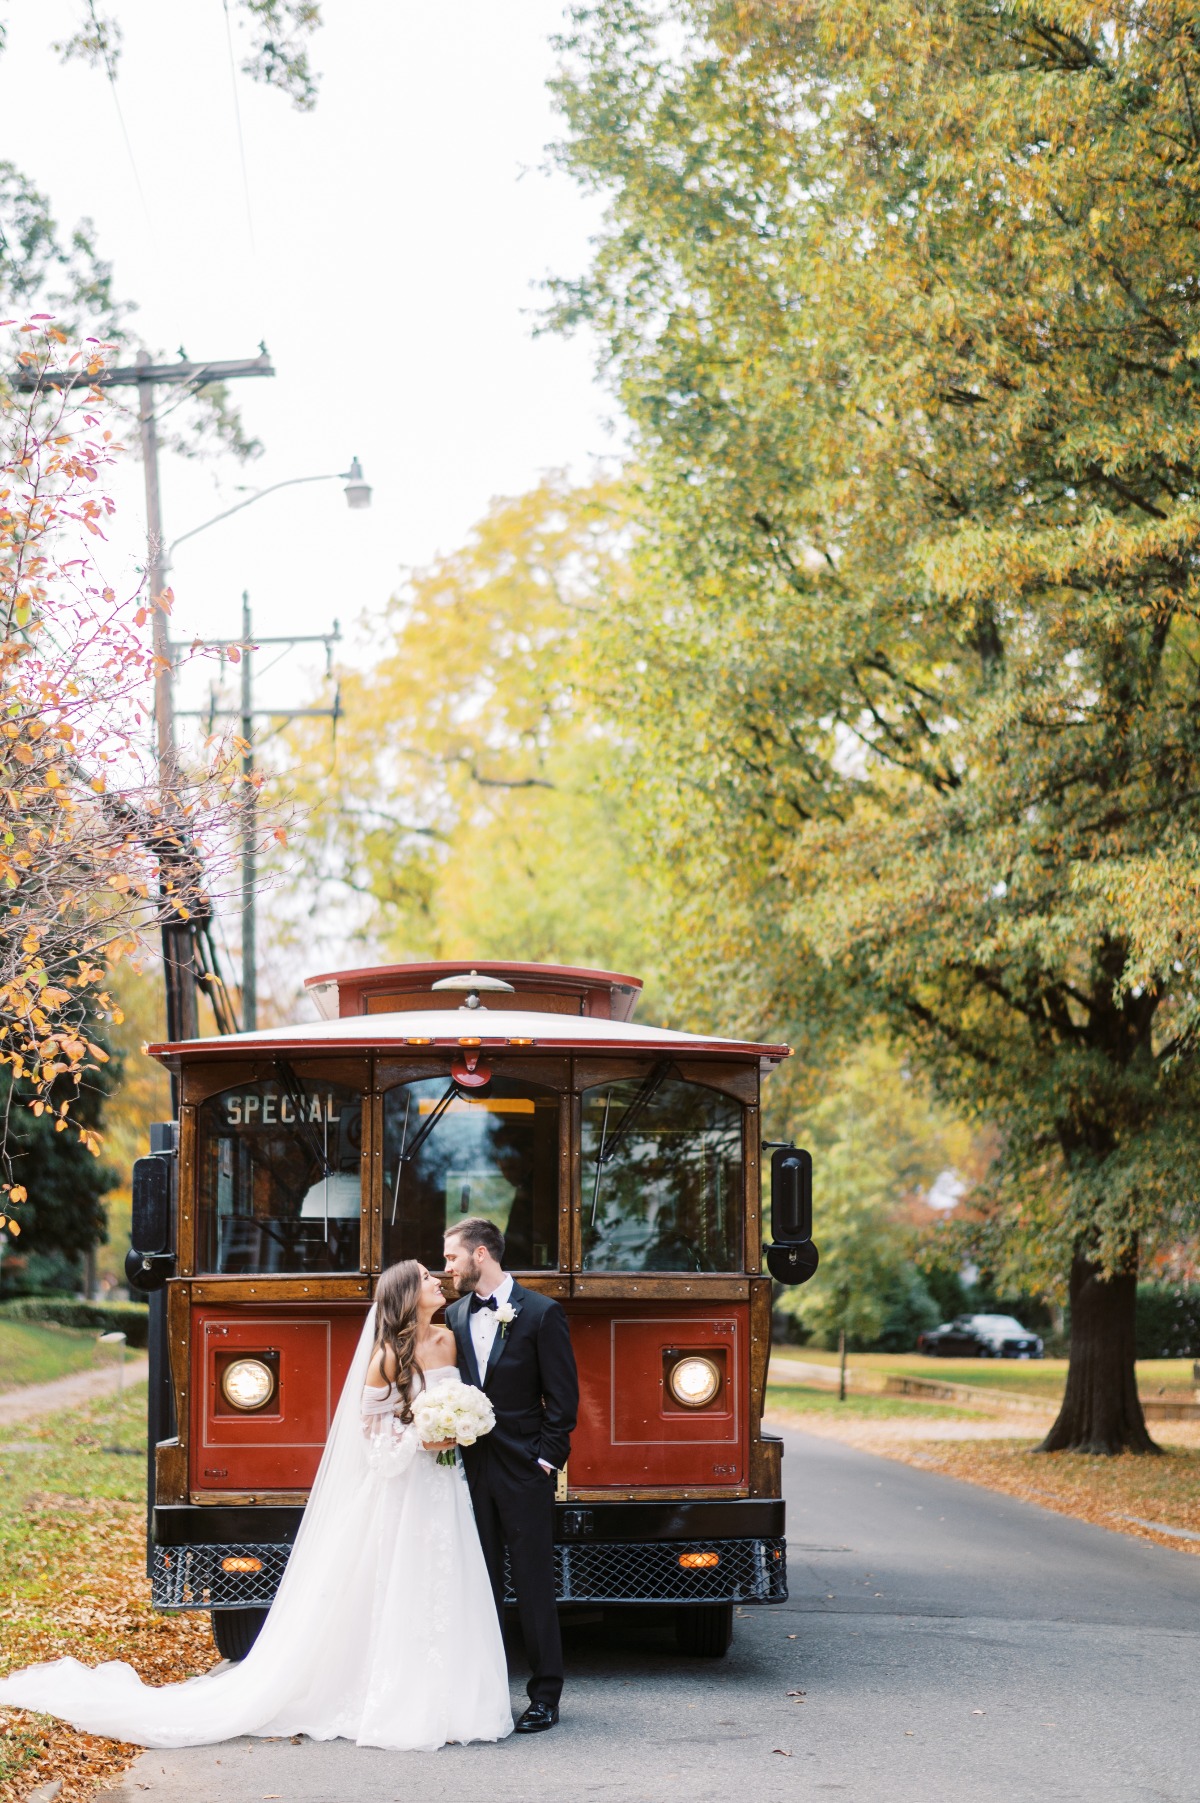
(485,1327)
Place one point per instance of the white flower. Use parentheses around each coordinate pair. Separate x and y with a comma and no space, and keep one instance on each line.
(506,1314)
(452,1411)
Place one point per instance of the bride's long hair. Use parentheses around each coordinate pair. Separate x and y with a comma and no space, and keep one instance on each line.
(396,1323)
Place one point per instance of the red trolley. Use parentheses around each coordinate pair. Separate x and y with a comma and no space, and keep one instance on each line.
(622,1163)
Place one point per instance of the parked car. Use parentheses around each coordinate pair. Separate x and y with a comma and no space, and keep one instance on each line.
(980,1337)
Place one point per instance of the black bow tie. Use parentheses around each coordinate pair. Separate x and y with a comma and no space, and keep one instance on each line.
(484,1302)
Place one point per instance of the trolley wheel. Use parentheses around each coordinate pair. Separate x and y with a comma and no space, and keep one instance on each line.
(704,1630)
(236,1630)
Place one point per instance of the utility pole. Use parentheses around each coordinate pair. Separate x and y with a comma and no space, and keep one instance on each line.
(247,713)
(249,835)
(164,732)
(181,969)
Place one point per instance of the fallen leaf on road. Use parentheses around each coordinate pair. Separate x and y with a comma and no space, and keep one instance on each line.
(782,1750)
(801,1696)
(979,1712)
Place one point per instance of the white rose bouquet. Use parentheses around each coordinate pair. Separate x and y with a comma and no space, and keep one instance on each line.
(452,1411)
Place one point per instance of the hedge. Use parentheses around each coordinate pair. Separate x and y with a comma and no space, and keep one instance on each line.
(1168,1321)
(130,1318)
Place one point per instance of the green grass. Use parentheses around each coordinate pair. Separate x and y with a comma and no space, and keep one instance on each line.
(69,1511)
(31,1353)
(1032,1377)
(54,1461)
(806,1399)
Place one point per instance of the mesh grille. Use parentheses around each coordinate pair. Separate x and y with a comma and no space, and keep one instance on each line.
(749,1571)
(191,1577)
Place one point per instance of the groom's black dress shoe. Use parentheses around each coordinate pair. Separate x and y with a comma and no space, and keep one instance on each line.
(537,1718)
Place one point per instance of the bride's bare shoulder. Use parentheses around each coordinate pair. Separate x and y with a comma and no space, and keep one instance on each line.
(442,1340)
(382,1369)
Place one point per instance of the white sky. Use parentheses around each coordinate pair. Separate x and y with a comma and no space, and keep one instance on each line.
(390,261)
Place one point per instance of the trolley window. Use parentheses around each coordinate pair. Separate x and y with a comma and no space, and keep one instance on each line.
(662,1176)
(447,1156)
(280,1186)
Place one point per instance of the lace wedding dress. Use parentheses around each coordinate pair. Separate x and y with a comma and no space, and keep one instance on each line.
(383,1630)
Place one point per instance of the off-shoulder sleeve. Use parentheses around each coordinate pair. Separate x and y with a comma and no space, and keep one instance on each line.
(392,1445)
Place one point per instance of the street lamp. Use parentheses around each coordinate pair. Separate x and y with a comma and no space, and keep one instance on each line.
(357,492)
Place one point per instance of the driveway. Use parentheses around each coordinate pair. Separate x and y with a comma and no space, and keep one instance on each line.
(951,1646)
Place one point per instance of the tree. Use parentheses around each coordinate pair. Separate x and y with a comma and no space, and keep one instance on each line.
(142,1096)
(275,46)
(472,807)
(64,1217)
(96,844)
(879,1145)
(902,304)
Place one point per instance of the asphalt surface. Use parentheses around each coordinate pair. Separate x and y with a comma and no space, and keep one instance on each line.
(950,1645)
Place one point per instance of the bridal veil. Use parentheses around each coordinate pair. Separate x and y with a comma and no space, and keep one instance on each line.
(356,1643)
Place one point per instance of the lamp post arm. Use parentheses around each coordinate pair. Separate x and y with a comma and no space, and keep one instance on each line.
(291,482)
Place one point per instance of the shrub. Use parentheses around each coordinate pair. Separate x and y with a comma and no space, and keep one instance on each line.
(130,1318)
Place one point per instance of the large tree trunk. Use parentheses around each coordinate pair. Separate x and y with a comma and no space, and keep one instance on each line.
(1101,1412)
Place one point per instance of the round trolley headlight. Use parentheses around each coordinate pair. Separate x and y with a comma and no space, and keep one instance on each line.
(247,1383)
(694,1382)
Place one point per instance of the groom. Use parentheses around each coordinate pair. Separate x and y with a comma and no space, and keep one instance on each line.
(515,1345)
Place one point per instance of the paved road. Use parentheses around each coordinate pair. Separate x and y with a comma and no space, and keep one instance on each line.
(954,1646)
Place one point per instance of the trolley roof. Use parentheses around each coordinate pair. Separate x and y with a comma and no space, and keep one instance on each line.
(491,1003)
(543,988)
(444,1030)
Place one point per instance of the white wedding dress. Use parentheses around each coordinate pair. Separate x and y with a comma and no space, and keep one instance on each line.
(383,1630)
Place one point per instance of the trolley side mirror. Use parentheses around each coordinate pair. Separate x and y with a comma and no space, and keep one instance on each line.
(150,1230)
(149,1261)
(792,1258)
(791,1196)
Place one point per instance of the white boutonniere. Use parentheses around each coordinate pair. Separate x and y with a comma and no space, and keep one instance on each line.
(506,1314)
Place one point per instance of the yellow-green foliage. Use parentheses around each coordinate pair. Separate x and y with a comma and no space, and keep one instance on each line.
(878,1146)
(902,302)
(474,805)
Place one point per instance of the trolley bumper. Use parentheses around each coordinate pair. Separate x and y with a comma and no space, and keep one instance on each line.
(222,1556)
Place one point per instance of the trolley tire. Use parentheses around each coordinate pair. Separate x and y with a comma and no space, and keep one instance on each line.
(236,1630)
(704,1631)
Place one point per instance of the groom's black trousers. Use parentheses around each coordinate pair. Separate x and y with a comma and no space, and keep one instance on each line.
(517,1511)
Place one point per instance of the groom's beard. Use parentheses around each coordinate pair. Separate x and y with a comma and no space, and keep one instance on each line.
(465,1286)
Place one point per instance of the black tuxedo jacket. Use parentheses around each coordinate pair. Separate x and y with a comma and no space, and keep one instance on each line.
(530,1380)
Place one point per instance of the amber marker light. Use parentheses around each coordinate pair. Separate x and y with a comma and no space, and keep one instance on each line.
(241,1564)
(520,1042)
(475,1041)
(418,1041)
(699,1561)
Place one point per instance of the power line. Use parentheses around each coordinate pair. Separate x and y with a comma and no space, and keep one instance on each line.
(237,113)
(110,71)
(185,968)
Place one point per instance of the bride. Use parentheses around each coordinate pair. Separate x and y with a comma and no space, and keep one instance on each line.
(383,1630)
